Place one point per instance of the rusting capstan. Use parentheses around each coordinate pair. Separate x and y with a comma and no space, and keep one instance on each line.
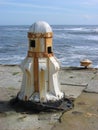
(40,68)
(86,63)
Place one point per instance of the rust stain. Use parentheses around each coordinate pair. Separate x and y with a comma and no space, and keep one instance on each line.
(90,114)
(40,35)
(39,54)
(26,98)
(42,83)
(36,76)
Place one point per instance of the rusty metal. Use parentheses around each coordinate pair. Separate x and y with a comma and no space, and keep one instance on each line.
(40,35)
(40,69)
(33,107)
(39,54)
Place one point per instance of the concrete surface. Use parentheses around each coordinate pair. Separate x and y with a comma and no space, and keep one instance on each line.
(77,83)
(84,115)
(76,78)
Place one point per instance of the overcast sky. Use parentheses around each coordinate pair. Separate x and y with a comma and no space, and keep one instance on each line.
(25,12)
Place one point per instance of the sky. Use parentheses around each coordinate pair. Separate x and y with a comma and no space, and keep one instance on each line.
(63,12)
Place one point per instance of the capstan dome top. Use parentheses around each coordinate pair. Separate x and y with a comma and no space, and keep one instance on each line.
(40,27)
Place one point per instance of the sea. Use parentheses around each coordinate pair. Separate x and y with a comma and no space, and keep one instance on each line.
(71,44)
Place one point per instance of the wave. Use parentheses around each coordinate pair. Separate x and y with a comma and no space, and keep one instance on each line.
(67,29)
(14,28)
(65,36)
(94,38)
(78,29)
(84,29)
(61,35)
(75,36)
(15,59)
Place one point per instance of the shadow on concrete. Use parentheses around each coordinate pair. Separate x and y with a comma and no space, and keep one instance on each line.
(29,107)
(32,107)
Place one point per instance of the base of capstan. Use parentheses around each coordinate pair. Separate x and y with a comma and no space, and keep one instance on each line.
(33,107)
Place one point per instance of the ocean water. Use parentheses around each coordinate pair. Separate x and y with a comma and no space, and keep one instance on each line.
(71,44)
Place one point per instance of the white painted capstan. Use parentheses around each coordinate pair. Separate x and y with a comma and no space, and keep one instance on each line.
(40,67)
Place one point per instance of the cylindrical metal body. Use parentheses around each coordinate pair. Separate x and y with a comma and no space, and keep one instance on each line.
(40,67)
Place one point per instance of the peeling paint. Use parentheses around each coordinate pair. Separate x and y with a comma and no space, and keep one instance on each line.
(40,67)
